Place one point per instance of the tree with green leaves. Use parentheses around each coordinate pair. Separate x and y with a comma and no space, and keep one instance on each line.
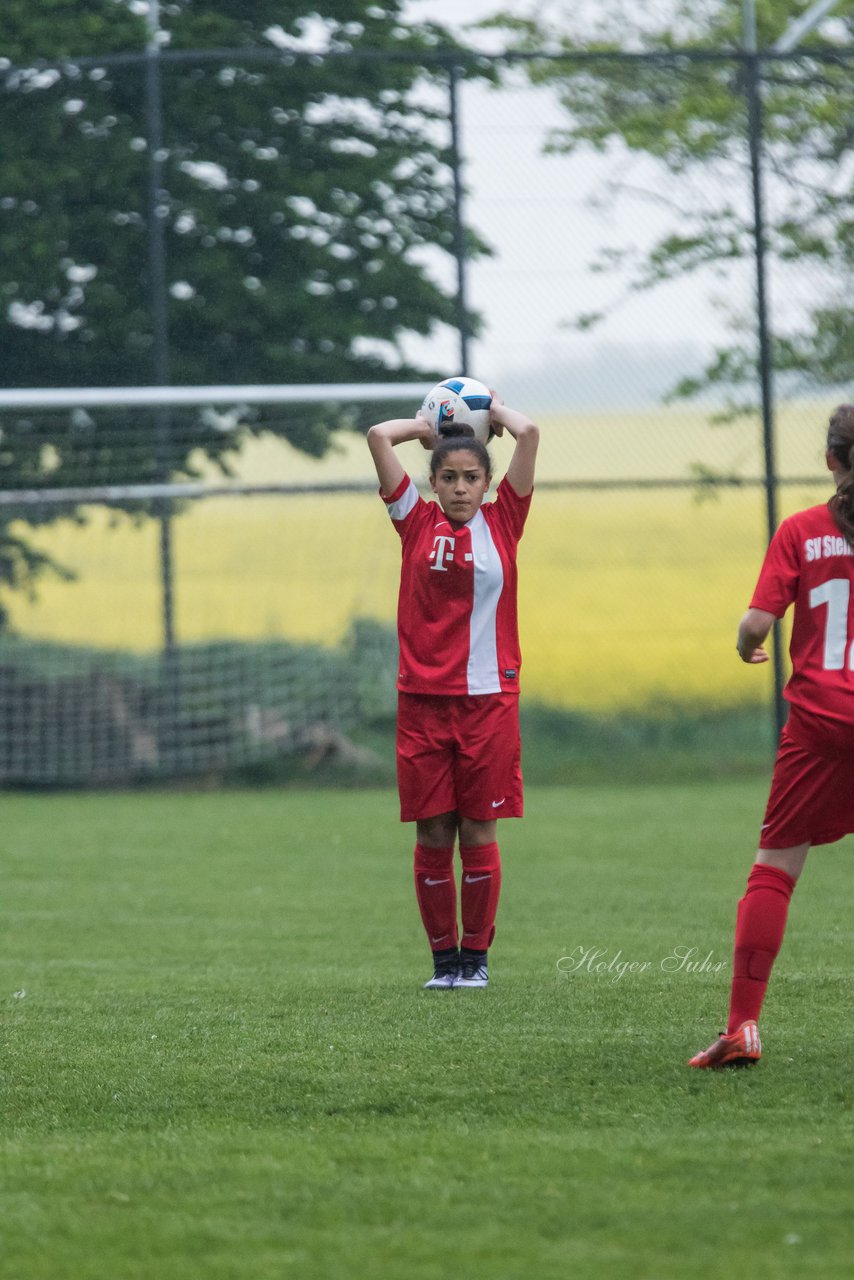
(690,117)
(300,198)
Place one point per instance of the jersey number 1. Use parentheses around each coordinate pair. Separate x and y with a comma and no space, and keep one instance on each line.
(835,594)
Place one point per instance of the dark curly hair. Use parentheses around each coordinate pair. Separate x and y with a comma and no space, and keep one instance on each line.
(840,442)
(450,444)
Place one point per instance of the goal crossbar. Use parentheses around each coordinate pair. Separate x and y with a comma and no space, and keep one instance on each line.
(154,397)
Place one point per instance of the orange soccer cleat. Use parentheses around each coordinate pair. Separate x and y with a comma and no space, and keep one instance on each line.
(740,1049)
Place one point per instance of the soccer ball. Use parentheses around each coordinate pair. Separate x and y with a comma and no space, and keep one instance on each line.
(459,407)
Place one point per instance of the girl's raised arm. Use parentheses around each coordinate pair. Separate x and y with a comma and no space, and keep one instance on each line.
(381,441)
(520,473)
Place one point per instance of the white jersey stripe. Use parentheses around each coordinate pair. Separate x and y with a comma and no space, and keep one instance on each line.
(400,509)
(482,671)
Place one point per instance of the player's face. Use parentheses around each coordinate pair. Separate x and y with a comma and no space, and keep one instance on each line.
(460,484)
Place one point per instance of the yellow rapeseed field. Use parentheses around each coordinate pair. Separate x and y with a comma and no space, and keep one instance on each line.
(626,597)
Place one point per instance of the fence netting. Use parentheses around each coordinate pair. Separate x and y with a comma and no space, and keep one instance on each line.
(646,532)
(632,578)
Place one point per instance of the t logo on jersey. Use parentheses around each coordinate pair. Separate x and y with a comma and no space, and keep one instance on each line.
(439,555)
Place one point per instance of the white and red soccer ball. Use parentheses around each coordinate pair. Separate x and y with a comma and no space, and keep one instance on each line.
(459,406)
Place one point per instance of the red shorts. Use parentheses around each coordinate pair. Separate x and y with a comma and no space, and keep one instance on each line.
(812,794)
(459,754)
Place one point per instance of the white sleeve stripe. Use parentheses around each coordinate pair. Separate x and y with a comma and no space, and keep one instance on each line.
(400,509)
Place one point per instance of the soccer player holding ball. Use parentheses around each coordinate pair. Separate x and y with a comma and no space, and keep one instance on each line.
(458,750)
(810,563)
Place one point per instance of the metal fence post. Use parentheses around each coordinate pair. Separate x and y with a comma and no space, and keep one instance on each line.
(159,307)
(459,225)
(753,93)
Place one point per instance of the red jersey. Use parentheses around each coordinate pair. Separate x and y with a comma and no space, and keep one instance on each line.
(456,615)
(810,564)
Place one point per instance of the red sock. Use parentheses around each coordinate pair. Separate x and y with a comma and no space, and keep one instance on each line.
(480,889)
(436,892)
(759,928)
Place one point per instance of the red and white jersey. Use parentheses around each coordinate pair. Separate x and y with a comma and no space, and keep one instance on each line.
(456,615)
(810,564)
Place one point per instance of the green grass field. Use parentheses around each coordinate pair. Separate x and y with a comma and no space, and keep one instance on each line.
(219,1063)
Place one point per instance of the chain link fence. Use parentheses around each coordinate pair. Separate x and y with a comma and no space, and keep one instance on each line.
(253,622)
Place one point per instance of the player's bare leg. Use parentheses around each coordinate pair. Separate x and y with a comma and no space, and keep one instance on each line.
(437,832)
(789,860)
(476,833)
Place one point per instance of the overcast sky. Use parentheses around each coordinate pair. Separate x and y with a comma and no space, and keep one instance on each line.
(545,220)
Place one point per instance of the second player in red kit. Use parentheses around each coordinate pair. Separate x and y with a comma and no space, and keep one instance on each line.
(458,750)
(809,564)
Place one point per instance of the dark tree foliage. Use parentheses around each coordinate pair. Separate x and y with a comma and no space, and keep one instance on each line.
(298,199)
